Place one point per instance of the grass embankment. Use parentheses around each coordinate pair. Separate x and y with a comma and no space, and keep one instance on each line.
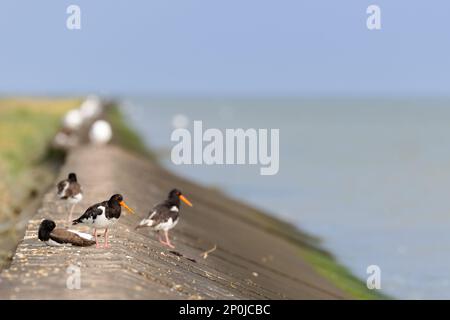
(26,129)
(327,266)
(309,248)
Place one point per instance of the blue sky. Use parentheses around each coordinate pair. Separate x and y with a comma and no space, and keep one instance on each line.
(232,47)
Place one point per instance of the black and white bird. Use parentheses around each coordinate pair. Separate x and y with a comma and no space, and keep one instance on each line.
(52,236)
(70,191)
(103,215)
(165,216)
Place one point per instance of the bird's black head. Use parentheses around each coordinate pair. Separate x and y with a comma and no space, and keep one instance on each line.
(46,227)
(174,193)
(72,177)
(175,196)
(117,199)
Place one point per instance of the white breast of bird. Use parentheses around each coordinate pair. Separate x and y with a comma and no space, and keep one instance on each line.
(166,225)
(53,243)
(76,198)
(100,221)
(86,236)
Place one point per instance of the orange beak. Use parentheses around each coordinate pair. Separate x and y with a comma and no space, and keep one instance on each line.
(123,204)
(183,198)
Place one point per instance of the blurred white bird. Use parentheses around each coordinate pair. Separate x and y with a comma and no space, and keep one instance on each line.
(100,133)
(91,107)
(73,119)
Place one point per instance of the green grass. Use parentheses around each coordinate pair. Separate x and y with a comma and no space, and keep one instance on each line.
(26,128)
(125,136)
(327,266)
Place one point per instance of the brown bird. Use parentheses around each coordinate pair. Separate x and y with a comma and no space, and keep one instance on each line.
(70,191)
(58,237)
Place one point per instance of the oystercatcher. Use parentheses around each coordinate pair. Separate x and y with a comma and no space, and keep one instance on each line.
(70,191)
(164,216)
(103,215)
(58,237)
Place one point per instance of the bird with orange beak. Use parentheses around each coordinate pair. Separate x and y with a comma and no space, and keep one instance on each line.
(165,216)
(103,215)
